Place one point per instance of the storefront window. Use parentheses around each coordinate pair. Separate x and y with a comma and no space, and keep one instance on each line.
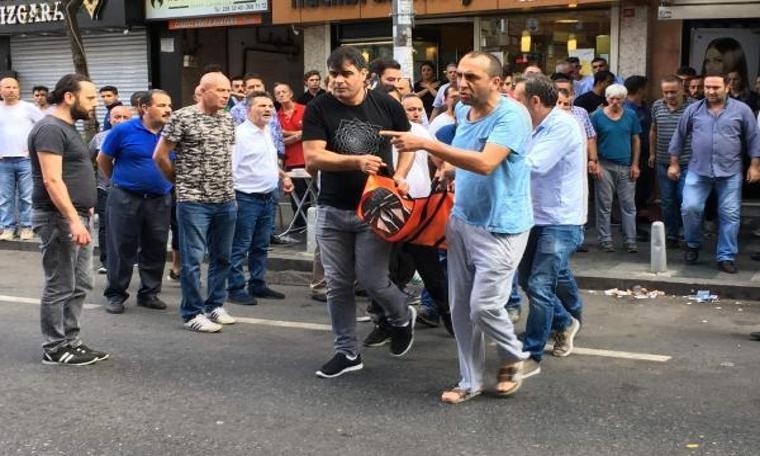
(547,38)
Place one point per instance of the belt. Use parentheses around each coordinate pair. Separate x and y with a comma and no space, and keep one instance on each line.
(140,194)
(261,196)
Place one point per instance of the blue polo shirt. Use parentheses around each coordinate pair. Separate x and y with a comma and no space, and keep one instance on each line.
(499,202)
(131,145)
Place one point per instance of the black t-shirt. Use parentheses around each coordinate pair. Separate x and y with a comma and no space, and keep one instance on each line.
(589,101)
(53,135)
(307,97)
(427,99)
(352,130)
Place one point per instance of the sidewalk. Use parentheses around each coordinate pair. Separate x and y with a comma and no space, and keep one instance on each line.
(594,269)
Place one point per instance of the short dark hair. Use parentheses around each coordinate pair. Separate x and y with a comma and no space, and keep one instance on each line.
(539,85)
(40,87)
(603,76)
(342,54)
(494,65)
(448,89)
(686,71)
(311,73)
(258,94)
(134,100)
(379,65)
(717,74)
(564,92)
(410,95)
(69,83)
(212,68)
(109,89)
(507,70)
(599,59)
(428,63)
(573,60)
(635,83)
(236,78)
(560,77)
(249,76)
(146,96)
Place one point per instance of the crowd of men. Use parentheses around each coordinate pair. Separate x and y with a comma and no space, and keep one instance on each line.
(521,149)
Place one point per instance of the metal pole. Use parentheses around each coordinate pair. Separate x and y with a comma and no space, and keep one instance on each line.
(403,22)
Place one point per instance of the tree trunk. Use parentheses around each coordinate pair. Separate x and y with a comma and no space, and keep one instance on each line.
(78,55)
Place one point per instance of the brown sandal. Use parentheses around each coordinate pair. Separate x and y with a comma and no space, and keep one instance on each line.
(509,374)
(458,395)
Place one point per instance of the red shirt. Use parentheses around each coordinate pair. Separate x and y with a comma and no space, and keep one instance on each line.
(293,152)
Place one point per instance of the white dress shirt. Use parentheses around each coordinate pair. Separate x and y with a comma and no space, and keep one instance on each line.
(254,160)
(419,174)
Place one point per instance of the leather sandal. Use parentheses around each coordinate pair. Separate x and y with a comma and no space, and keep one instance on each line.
(509,374)
(458,395)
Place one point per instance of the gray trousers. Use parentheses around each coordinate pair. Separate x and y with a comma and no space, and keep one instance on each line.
(481,267)
(616,179)
(350,250)
(68,277)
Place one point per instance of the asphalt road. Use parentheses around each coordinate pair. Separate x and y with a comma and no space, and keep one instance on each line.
(251,390)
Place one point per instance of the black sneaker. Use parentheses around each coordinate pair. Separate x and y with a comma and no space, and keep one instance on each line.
(402,337)
(114,306)
(691,255)
(339,365)
(67,356)
(268,293)
(153,302)
(379,336)
(173,276)
(82,348)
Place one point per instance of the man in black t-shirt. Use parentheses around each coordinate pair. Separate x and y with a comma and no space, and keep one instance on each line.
(63,198)
(341,140)
(591,100)
(311,80)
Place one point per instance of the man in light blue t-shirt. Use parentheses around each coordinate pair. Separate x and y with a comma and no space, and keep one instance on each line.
(490,222)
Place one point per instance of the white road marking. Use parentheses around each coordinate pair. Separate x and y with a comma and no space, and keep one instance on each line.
(617,354)
(321,327)
(284,324)
(35,301)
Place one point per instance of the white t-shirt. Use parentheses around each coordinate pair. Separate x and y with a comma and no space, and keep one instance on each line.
(439,122)
(16,122)
(254,160)
(419,175)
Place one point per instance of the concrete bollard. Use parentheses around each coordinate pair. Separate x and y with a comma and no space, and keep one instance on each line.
(659,256)
(311,229)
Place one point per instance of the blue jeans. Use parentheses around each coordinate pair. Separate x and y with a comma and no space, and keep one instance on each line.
(252,233)
(547,280)
(671,193)
(729,192)
(15,181)
(515,301)
(204,226)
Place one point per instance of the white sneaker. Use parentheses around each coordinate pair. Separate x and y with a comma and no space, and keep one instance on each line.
(219,315)
(6,235)
(201,323)
(26,234)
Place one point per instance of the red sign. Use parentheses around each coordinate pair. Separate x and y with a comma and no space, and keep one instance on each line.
(215,21)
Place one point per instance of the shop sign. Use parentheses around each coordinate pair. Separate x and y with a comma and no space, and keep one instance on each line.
(215,21)
(318,3)
(171,9)
(31,13)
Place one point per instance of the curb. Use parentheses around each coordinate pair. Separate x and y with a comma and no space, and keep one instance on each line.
(302,262)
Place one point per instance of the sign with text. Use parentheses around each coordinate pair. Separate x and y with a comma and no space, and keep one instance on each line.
(172,9)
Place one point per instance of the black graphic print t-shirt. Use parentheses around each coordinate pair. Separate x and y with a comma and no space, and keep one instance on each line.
(352,130)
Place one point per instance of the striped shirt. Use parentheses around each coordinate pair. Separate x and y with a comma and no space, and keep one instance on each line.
(582,117)
(665,122)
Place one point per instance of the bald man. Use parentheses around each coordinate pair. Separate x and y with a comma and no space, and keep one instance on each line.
(17,118)
(202,136)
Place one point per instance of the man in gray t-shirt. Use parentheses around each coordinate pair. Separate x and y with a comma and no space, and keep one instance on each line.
(62,200)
